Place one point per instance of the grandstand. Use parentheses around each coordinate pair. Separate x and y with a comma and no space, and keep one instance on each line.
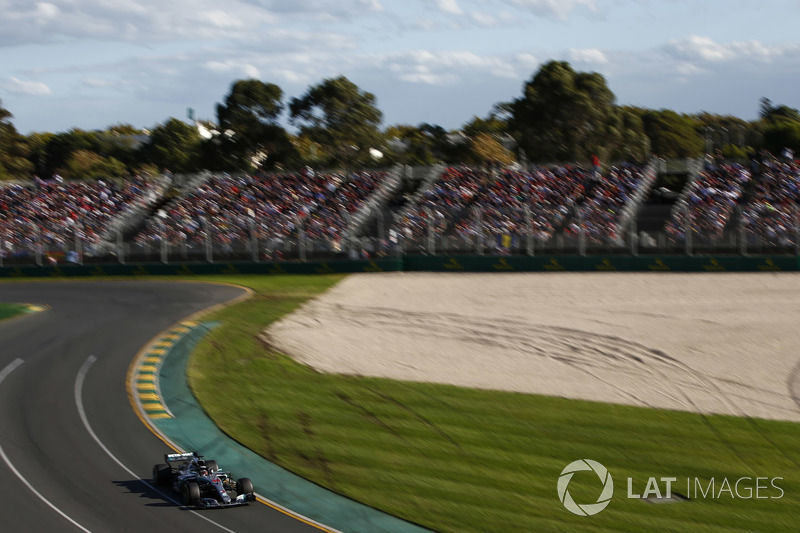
(564,209)
(256,216)
(55,220)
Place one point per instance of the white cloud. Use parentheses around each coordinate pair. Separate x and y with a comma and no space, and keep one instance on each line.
(447,67)
(233,67)
(483,19)
(420,74)
(705,50)
(373,5)
(127,20)
(221,19)
(559,9)
(591,56)
(424,24)
(251,71)
(699,48)
(527,60)
(279,41)
(291,76)
(508,13)
(28,88)
(99,83)
(319,10)
(46,10)
(450,7)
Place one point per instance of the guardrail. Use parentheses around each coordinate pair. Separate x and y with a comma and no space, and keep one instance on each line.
(431,263)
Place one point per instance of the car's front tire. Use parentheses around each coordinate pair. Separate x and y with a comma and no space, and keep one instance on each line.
(244,486)
(191,493)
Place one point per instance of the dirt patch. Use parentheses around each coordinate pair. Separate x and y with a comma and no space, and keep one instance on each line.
(712,343)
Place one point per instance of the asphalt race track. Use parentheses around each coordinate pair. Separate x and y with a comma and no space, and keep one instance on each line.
(74,456)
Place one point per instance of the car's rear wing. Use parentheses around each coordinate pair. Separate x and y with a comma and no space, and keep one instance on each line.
(185,456)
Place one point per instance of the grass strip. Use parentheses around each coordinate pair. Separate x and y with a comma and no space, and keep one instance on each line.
(462,460)
(12,310)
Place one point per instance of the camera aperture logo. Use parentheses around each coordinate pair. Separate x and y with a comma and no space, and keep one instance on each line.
(586,509)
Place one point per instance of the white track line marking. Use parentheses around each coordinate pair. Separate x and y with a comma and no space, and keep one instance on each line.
(6,371)
(79,402)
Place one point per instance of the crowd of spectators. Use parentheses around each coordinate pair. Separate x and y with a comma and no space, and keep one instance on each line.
(232,210)
(605,201)
(547,196)
(52,215)
(772,214)
(495,207)
(709,203)
(470,203)
(474,204)
(329,220)
(442,203)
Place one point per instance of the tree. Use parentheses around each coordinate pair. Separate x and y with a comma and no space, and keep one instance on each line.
(122,142)
(176,146)
(340,116)
(672,135)
(14,162)
(308,152)
(492,125)
(123,129)
(85,164)
(563,115)
(249,130)
(627,139)
(61,146)
(725,133)
(487,150)
(783,135)
(781,113)
(780,127)
(37,151)
(409,145)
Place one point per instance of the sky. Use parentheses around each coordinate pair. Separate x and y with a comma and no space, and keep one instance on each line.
(91,64)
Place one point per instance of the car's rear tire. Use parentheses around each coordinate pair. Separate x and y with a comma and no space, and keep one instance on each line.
(161,474)
(212,466)
(191,493)
(244,486)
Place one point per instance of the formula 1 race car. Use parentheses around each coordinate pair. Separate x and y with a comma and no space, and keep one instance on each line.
(201,483)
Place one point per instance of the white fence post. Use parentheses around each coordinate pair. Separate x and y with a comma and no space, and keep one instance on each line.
(478,229)
(797,230)
(431,247)
(742,232)
(120,247)
(164,244)
(529,246)
(208,240)
(688,228)
(301,238)
(253,241)
(79,241)
(37,245)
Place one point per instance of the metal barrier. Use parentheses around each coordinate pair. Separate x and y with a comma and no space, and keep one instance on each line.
(430,263)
